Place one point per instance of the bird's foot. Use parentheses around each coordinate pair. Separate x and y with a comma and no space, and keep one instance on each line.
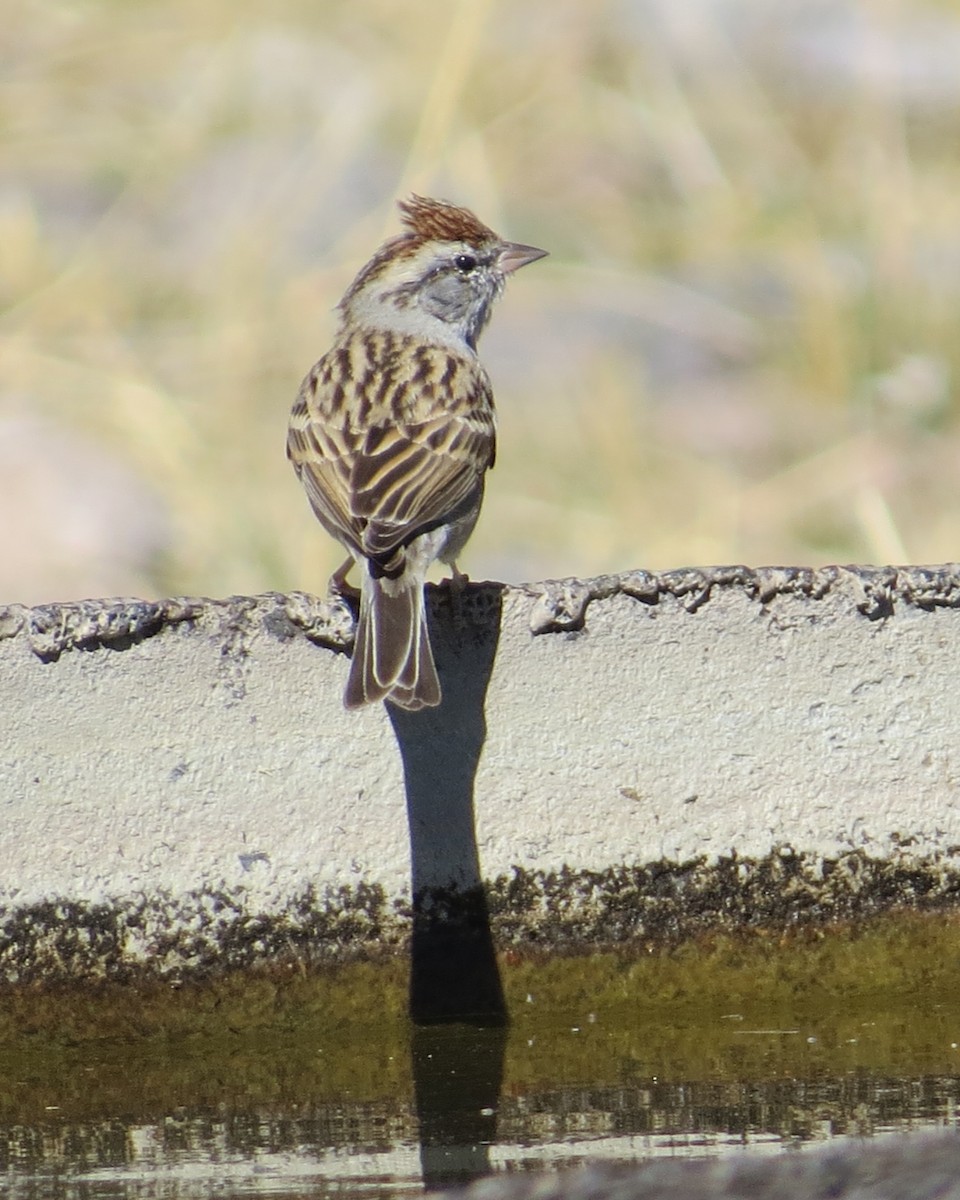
(338,588)
(455,587)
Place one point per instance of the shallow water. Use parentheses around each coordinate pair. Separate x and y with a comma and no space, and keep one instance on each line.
(291,1080)
(380,1109)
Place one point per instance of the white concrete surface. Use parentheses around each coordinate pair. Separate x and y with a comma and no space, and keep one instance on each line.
(185,746)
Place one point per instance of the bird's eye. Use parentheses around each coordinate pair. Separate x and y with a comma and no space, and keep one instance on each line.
(465,263)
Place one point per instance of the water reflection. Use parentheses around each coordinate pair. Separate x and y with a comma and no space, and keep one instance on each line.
(459,1125)
(458,1075)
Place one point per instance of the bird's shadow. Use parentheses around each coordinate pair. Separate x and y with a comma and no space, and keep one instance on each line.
(454,974)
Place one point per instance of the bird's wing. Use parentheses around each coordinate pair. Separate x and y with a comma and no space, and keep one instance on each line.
(378,472)
(413,477)
(322,456)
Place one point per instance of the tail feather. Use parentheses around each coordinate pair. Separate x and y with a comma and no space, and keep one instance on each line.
(392,659)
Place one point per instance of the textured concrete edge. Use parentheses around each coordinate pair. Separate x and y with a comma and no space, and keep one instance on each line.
(921,1166)
(52,629)
(656,905)
(555,605)
(215,927)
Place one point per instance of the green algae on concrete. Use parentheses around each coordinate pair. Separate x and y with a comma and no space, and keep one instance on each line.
(906,955)
(897,957)
(893,961)
(281,1000)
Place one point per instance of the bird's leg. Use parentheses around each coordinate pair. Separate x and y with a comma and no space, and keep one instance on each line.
(338,587)
(455,585)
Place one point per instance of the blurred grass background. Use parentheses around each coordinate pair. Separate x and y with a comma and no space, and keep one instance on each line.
(743,347)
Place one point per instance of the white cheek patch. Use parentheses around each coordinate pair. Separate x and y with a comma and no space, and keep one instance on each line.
(381,313)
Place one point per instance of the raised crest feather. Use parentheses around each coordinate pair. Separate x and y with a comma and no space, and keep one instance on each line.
(439,220)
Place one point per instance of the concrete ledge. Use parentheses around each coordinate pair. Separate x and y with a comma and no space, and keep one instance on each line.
(920,1167)
(633,756)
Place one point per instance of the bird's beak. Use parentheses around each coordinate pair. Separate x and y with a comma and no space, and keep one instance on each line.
(513,256)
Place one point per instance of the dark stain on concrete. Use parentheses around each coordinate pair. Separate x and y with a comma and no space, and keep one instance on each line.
(190,937)
(659,905)
(665,903)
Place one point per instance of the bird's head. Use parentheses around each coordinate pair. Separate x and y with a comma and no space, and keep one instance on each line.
(439,278)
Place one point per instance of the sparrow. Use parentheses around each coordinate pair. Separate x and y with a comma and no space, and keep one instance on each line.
(394,429)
